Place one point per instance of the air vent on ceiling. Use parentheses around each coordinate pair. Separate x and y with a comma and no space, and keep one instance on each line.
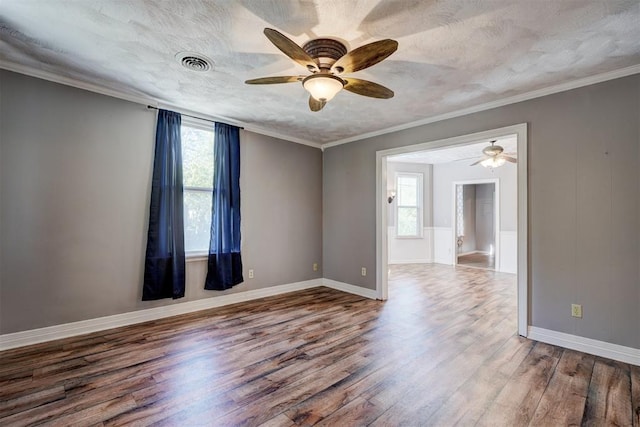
(194,61)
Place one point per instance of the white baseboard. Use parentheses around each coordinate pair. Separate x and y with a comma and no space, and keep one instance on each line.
(345,287)
(35,336)
(586,345)
(66,330)
(411,261)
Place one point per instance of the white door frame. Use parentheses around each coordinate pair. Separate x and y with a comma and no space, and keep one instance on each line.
(523,239)
(496,217)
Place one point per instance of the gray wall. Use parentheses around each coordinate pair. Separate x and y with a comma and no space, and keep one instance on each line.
(75,172)
(469,218)
(485,220)
(584,198)
(281,184)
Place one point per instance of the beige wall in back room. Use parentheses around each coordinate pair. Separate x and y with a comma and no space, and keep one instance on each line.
(444,175)
(75,173)
(584,198)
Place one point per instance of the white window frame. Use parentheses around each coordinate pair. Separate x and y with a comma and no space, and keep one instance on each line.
(197,255)
(420,195)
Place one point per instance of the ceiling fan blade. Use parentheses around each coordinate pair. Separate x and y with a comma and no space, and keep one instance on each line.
(316,105)
(291,49)
(273,80)
(478,162)
(367,88)
(365,56)
(509,159)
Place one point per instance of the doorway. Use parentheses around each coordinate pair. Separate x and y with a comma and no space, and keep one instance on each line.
(476,223)
(519,236)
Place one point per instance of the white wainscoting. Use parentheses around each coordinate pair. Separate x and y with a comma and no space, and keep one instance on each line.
(443,245)
(410,250)
(508,262)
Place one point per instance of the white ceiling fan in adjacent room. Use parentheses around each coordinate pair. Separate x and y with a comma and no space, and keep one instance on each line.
(494,156)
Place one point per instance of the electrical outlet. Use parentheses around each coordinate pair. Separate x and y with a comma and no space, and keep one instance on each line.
(576,310)
(315,266)
(364,271)
(251,273)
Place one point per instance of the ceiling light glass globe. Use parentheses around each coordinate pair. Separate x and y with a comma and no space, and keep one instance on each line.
(323,87)
(493,162)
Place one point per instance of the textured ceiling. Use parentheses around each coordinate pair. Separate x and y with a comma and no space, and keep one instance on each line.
(452,54)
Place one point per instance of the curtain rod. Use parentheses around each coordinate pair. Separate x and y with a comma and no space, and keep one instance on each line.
(193,117)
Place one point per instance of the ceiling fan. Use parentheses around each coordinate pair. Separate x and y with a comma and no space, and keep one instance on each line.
(327,60)
(494,157)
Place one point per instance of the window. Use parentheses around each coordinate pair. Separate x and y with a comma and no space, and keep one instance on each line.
(409,204)
(197,170)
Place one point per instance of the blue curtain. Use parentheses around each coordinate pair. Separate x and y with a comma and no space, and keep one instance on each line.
(164,268)
(225,263)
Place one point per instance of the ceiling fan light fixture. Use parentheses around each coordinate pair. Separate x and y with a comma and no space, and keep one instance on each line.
(326,57)
(493,162)
(323,87)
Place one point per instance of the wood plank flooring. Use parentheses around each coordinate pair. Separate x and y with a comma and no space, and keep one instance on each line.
(442,351)
(478,259)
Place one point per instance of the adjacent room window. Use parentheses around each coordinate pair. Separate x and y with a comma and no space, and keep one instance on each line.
(409,204)
(197,169)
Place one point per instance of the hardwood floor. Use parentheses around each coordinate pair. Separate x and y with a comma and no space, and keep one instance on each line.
(478,260)
(442,351)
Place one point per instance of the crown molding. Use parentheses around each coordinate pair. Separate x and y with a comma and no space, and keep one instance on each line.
(247,127)
(68,81)
(265,132)
(144,100)
(598,78)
